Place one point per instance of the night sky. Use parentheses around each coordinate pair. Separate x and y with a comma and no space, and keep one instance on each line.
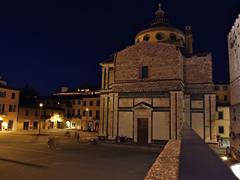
(54,43)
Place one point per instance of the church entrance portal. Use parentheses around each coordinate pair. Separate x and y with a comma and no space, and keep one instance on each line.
(143,130)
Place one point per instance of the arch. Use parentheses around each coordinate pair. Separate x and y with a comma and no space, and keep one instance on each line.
(146,37)
(159,36)
(173,37)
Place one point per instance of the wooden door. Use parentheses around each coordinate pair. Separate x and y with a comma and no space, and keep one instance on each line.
(25,125)
(143,130)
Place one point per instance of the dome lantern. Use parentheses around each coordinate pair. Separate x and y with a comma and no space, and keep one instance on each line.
(160,18)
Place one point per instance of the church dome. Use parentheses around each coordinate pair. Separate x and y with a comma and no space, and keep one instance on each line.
(161,31)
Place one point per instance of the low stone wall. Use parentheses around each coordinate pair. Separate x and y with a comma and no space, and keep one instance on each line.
(166,167)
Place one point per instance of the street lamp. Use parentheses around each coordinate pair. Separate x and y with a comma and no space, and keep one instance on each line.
(87,117)
(40,118)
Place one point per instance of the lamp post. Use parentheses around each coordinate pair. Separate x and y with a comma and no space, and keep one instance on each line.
(87,118)
(40,118)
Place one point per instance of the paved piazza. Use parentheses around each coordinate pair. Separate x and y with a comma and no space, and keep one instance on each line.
(24,155)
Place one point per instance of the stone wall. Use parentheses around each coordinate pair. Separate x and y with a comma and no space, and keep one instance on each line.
(167,164)
(149,86)
(198,69)
(159,58)
(234,69)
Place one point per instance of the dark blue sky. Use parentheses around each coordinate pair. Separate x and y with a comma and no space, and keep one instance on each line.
(54,43)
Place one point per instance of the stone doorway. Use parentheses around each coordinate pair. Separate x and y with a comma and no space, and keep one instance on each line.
(10,124)
(35,125)
(143,130)
(25,125)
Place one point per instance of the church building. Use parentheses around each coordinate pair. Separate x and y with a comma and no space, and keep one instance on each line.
(150,88)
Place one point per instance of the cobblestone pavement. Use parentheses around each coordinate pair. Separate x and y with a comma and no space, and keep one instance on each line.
(26,156)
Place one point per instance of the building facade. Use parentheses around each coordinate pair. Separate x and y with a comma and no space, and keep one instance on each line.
(222,118)
(30,116)
(85,113)
(150,88)
(234,69)
(82,107)
(9,105)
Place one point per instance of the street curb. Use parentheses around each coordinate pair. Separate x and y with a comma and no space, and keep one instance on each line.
(156,148)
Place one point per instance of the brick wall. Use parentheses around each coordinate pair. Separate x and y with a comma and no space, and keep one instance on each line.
(159,58)
(198,69)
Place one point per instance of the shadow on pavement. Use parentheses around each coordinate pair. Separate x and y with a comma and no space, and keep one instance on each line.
(22,163)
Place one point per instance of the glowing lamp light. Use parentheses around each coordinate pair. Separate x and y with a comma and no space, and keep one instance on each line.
(224,158)
(56,118)
(5,125)
(68,124)
(236,170)
(87,109)
(41,105)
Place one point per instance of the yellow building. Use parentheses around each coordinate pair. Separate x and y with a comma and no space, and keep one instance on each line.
(222,121)
(222,94)
(85,113)
(9,102)
(82,107)
(51,118)
(222,118)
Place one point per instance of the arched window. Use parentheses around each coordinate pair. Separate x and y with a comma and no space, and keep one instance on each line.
(173,37)
(159,36)
(146,37)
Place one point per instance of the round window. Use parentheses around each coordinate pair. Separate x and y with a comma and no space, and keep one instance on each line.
(146,37)
(159,36)
(173,37)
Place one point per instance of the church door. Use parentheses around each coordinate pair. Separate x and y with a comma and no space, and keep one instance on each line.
(143,130)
